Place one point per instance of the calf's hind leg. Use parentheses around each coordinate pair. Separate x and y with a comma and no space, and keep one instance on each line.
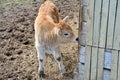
(59,61)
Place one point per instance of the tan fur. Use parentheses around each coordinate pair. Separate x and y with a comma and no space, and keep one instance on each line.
(46,24)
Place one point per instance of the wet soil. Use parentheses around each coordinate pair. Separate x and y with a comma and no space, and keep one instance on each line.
(18,57)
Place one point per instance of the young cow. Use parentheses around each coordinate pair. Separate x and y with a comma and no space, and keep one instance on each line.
(49,33)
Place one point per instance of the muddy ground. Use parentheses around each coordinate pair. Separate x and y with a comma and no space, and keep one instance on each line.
(18,57)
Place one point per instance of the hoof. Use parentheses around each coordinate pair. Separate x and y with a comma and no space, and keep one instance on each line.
(64,74)
(41,74)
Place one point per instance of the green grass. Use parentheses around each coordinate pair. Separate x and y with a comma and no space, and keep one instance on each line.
(15,1)
(20,1)
(6,2)
(54,0)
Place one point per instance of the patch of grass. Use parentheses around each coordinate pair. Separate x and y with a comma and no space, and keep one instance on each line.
(6,2)
(20,1)
(54,0)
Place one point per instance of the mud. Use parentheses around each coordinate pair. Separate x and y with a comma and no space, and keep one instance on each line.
(18,57)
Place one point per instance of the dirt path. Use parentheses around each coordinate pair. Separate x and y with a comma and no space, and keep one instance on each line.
(18,57)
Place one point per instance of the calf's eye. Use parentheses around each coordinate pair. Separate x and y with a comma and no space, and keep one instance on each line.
(66,34)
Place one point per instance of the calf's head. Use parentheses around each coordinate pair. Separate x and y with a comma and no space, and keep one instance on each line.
(65,33)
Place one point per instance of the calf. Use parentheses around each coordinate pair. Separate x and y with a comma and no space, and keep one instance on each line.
(50,31)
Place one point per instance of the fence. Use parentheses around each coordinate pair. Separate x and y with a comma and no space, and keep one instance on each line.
(99,45)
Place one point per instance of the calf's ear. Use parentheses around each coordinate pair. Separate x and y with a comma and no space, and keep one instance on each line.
(66,19)
(60,31)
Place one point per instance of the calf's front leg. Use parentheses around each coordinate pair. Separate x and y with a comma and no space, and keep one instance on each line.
(41,58)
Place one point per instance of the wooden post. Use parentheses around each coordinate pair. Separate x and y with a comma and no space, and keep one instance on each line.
(82,38)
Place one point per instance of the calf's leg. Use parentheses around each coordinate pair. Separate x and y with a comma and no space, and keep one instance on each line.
(41,58)
(59,61)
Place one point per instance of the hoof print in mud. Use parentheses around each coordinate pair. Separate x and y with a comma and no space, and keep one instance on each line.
(41,74)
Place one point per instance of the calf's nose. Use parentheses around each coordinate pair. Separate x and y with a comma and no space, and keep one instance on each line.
(77,39)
